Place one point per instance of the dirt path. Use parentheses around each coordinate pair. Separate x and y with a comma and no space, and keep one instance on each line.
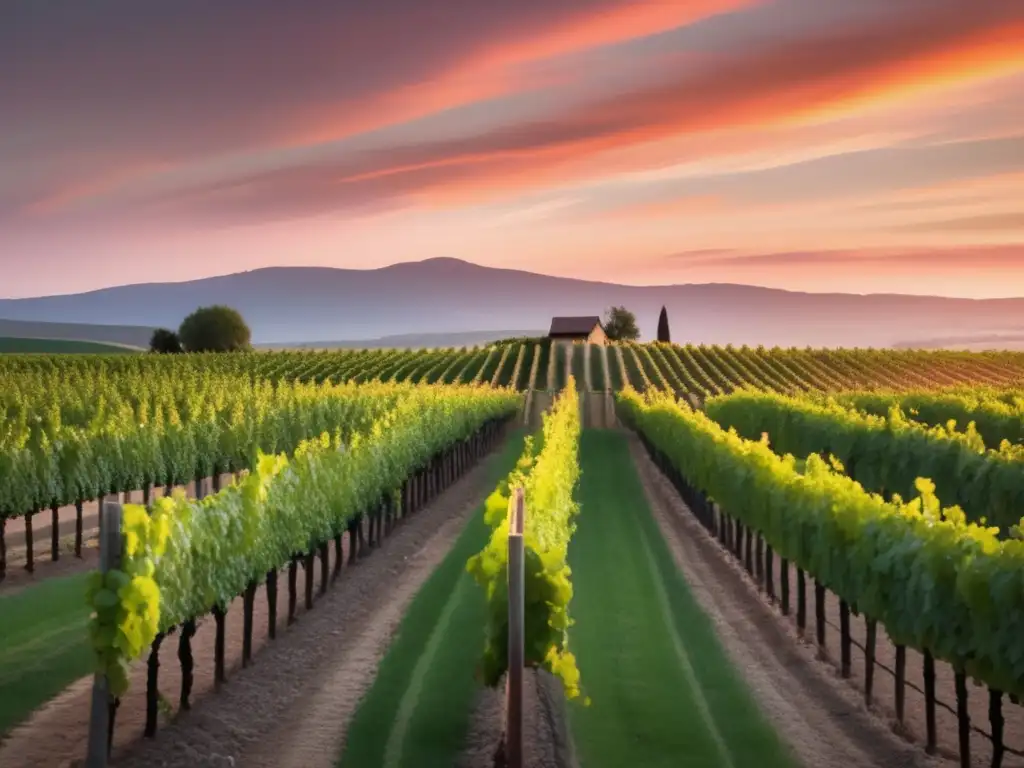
(884,691)
(607,368)
(820,716)
(311,734)
(544,718)
(42,527)
(530,388)
(480,374)
(608,399)
(501,364)
(621,362)
(330,654)
(542,402)
(517,367)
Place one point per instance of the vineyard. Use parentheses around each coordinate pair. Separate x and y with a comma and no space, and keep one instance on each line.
(784,557)
(702,371)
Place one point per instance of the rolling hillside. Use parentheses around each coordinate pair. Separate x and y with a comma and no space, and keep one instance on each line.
(117,335)
(10,345)
(300,304)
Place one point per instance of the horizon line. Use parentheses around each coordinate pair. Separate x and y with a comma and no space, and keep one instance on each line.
(311,267)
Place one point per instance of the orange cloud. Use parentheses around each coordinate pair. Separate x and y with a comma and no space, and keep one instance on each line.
(786,83)
(494,71)
(696,205)
(947,259)
(773,83)
(78,191)
(979,55)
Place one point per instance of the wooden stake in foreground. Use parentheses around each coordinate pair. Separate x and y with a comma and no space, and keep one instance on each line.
(102,704)
(516,631)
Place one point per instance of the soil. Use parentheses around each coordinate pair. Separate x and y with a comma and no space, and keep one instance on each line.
(603,349)
(501,364)
(291,706)
(18,578)
(820,716)
(541,403)
(913,728)
(527,408)
(544,719)
(514,378)
(616,352)
(598,410)
(547,721)
(485,729)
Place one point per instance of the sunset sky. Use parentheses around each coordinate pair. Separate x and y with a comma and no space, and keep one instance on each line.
(822,145)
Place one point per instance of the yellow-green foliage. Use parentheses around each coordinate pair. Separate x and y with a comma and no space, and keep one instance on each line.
(189,556)
(126,601)
(936,581)
(548,478)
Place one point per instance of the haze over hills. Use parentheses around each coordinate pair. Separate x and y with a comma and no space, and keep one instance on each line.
(444,296)
(124,335)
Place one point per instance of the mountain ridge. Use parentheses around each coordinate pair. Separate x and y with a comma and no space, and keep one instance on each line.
(445,295)
(310,269)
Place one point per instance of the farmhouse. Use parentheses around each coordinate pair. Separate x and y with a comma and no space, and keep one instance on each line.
(586,329)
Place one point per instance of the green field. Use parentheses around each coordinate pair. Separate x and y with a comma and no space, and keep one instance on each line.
(43,645)
(417,712)
(10,345)
(702,371)
(662,691)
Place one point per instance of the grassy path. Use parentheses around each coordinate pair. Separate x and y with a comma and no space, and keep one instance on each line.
(43,645)
(663,692)
(417,712)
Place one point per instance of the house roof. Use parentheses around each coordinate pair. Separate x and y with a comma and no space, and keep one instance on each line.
(581,326)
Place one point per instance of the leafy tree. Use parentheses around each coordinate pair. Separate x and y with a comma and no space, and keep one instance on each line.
(165,342)
(620,325)
(663,332)
(215,329)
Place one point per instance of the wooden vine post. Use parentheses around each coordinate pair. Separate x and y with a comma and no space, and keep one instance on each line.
(54,532)
(103,705)
(3,545)
(516,632)
(188,631)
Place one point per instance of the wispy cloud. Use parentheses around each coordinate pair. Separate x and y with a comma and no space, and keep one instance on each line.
(699,127)
(961,258)
(993,222)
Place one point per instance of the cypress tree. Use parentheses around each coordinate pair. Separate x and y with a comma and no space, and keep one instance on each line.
(663,334)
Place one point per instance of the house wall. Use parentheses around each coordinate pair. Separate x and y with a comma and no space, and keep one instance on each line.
(597,336)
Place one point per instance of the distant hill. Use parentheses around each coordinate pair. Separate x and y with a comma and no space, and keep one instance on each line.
(978,343)
(443,296)
(124,335)
(61,347)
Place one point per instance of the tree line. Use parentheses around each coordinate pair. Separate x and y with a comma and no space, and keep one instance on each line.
(208,329)
(620,325)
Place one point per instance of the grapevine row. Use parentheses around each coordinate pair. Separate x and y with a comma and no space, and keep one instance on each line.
(937,582)
(547,472)
(688,369)
(183,558)
(995,419)
(886,454)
